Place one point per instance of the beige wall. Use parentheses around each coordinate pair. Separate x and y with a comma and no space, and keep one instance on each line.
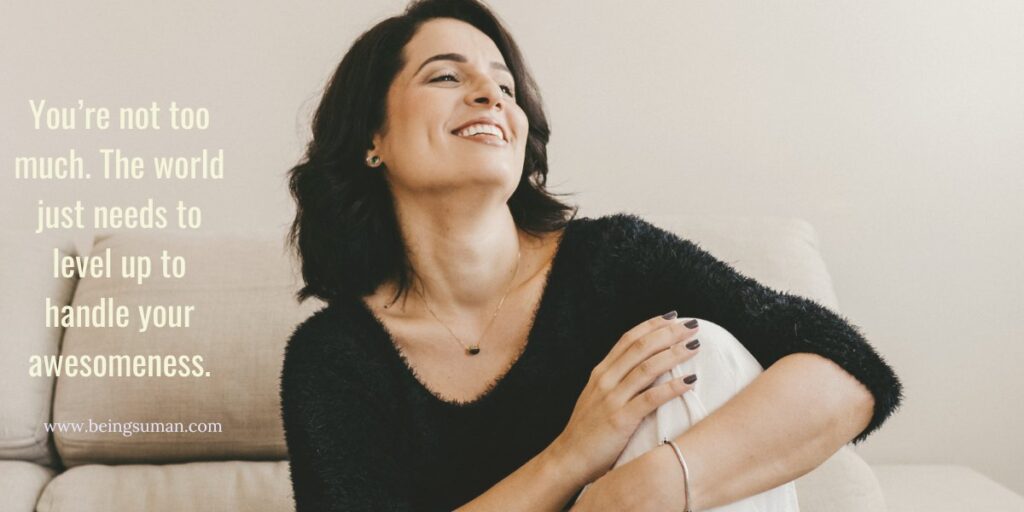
(896,128)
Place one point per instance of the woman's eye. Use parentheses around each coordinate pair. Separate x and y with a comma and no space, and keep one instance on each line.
(448,77)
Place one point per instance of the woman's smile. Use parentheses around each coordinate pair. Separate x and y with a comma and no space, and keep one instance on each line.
(485,138)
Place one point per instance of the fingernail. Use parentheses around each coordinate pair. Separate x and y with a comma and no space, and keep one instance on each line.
(690,379)
(691,324)
(670,315)
(693,344)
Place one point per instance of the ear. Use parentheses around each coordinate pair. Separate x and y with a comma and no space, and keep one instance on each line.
(374,152)
(377,141)
(375,145)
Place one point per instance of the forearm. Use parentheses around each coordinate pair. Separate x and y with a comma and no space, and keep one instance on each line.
(786,422)
(545,482)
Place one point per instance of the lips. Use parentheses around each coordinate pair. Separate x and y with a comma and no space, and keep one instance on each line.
(485,138)
(483,120)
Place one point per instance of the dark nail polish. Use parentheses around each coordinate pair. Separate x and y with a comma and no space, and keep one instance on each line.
(691,324)
(670,315)
(691,379)
(693,344)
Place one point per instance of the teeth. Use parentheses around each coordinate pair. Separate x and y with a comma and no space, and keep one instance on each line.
(480,128)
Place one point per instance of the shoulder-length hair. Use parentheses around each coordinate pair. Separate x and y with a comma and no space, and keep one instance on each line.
(345,230)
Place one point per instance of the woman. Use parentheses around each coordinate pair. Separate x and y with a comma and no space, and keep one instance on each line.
(485,349)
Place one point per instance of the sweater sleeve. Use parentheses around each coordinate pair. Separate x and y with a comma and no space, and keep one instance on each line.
(338,439)
(661,269)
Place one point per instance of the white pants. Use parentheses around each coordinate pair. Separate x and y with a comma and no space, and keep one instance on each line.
(723,367)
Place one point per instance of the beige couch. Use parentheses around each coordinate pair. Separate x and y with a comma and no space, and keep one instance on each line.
(242,289)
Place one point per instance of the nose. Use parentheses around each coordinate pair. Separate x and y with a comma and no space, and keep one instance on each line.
(487,92)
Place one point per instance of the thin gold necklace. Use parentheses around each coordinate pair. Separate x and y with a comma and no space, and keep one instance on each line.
(474,349)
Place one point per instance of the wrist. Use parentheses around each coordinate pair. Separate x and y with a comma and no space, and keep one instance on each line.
(562,464)
(666,476)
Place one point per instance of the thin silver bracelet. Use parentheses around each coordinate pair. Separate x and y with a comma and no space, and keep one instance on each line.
(686,472)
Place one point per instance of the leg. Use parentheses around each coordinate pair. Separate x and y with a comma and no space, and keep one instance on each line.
(723,367)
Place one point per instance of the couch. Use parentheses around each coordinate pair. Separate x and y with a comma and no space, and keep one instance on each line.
(242,288)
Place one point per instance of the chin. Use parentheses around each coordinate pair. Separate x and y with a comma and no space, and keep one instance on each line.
(490,174)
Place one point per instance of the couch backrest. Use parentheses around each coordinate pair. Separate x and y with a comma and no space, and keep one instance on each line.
(782,253)
(242,291)
(26,281)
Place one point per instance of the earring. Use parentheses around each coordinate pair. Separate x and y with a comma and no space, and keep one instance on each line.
(373,161)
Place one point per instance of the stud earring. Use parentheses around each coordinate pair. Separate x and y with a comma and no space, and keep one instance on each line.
(373,161)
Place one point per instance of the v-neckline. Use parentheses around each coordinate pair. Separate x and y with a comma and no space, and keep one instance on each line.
(501,381)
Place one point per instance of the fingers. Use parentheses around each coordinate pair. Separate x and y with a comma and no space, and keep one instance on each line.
(637,332)
(658,334)
(643,374)
(646,402)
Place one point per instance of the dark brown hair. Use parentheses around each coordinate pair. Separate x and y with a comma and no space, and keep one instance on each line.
(345,229)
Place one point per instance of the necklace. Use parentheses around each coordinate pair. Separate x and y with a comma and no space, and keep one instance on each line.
(474,349)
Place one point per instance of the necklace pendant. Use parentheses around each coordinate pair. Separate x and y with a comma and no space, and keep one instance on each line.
(473,350)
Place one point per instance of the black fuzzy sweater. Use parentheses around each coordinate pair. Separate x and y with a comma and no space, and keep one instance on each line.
(364,434)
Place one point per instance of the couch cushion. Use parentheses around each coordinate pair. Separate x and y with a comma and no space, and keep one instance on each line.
(843,483)
(26,277)
(21,483)
(197,486)
(943,488)
(243,293)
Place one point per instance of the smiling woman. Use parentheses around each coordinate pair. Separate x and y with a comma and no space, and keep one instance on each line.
(529,346)
(384,130)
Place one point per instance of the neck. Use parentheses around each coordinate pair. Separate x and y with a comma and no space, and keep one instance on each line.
(463,263)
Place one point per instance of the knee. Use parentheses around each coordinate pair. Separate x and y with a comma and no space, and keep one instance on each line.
(725,355)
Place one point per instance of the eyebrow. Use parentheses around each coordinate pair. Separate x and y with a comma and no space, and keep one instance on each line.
(458,57)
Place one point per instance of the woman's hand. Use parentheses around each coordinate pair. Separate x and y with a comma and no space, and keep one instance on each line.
(619,393)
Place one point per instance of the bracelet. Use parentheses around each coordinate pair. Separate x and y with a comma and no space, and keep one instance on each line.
(686,472)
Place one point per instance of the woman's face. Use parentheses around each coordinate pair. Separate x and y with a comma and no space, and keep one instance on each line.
(454,74)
